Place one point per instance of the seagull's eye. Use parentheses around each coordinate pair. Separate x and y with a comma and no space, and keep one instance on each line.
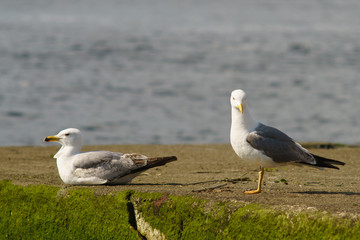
(67,134)
(233,98)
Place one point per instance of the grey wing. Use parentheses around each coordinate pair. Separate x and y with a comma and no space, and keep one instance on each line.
(278,146)
(95,159)
(105,165)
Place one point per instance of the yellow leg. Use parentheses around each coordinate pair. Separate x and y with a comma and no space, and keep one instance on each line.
(258,190)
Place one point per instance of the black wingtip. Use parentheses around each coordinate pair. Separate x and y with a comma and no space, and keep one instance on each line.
(326,162)
(159,161)
(156,162)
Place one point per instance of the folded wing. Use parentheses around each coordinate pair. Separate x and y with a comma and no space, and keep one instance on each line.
(107,165)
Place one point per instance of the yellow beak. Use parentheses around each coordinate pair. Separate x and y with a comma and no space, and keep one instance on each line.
(240,106)
(51,139)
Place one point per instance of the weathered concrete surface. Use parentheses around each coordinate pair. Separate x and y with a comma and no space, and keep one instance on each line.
(213,172)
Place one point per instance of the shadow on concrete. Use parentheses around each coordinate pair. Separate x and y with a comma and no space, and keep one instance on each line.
(329,193)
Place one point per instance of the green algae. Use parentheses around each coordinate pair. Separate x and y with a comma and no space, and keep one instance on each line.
(253,221)
(45,212)
(182,217)
(191,218)
(36,212)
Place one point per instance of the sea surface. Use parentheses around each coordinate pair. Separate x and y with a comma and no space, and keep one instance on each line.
(161,71)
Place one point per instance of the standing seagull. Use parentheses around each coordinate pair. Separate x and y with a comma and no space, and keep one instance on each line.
(266,146)
(97,167)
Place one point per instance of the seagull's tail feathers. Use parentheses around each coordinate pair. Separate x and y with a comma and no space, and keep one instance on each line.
(322,162)
(155,162)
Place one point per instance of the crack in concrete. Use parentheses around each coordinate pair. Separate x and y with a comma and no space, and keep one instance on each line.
(132,216)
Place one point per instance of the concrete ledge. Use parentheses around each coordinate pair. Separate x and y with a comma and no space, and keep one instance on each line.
(39,212)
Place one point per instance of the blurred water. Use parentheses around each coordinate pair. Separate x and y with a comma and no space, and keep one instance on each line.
(161,72)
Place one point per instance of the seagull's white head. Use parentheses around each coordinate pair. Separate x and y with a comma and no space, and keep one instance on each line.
(238,100)
(67,137)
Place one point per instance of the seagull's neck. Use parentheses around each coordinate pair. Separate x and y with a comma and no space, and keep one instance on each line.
(66,151)
(242,122)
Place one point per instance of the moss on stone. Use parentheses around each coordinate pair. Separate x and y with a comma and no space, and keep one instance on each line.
(44,212)
(191,218)
(35,212)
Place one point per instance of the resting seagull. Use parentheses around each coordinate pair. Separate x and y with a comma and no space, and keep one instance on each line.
(97,167)
(266,146)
